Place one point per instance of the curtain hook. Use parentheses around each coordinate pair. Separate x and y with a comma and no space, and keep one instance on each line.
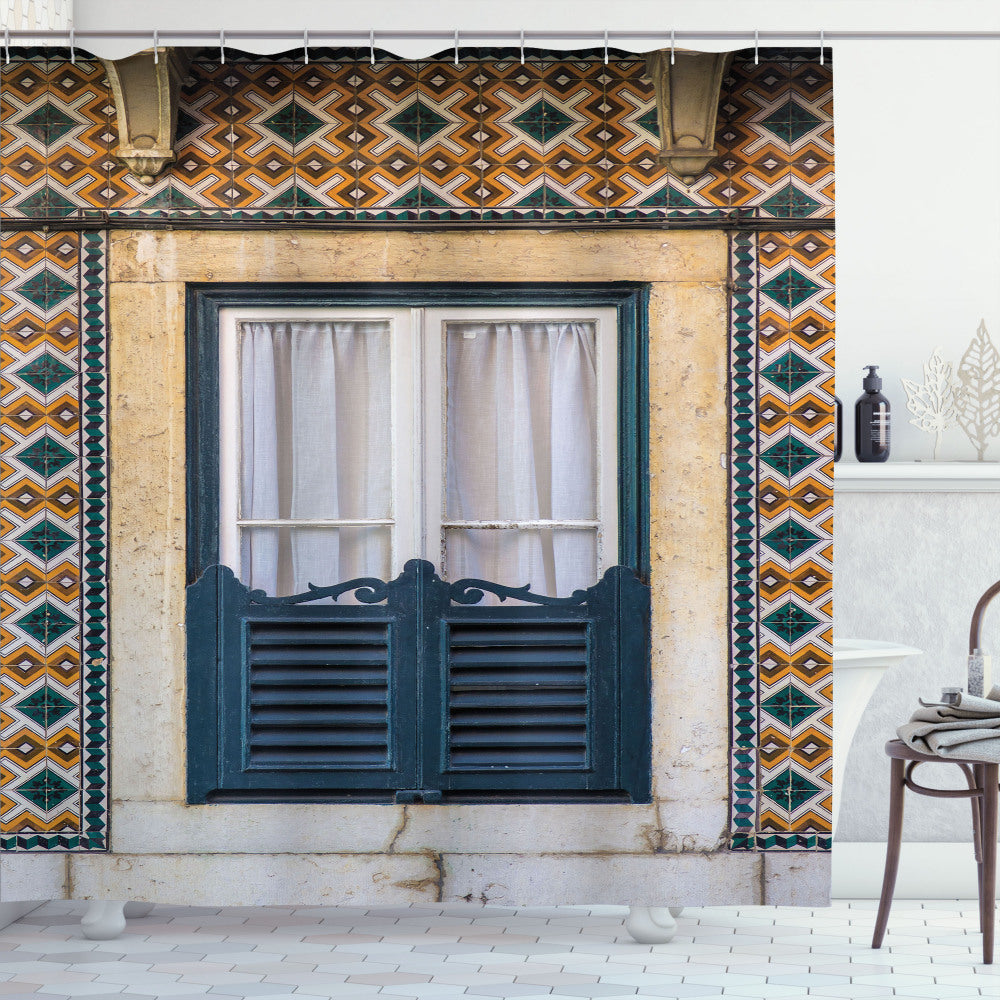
(456,47)
(822,48)
(671,46)
(72,46)
(522,46)
(605,46)
(371,44)
(756,47)
(305,47)
(222,46)
(156,46)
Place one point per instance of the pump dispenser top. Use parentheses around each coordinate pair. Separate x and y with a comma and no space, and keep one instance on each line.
(872,382)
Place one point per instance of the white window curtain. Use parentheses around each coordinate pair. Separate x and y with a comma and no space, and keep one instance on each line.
(522,446)
(315,446)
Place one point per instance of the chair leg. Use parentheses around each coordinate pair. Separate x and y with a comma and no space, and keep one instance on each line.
(896,790)
(978,782)
(988,889)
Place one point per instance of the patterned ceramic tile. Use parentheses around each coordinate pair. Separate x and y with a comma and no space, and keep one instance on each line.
(337,139)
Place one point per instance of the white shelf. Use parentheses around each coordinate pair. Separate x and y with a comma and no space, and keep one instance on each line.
(916,477)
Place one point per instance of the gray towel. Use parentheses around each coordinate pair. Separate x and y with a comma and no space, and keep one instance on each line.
(969,729)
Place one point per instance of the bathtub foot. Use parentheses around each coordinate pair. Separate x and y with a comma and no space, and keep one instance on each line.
(103,920)
(652,924)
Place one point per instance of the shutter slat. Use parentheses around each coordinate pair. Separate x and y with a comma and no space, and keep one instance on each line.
(529,656)
(318,655)
(489,697)
(318,694)
(497,676)
(318,633)
(518,696)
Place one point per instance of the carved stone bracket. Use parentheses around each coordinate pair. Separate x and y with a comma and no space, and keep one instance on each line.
(687,106)
(145,90)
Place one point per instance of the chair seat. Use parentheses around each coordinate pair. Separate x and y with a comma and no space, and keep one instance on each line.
(899,750)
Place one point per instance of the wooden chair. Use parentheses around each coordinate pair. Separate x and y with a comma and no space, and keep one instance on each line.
(982,792)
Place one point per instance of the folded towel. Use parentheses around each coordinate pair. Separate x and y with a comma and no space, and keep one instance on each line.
(969,728)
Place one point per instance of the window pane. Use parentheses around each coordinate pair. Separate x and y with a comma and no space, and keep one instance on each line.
(555,561)
(315,420)
(283,561)
(522,421)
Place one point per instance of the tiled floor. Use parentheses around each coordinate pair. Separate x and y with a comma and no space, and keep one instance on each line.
(435,952)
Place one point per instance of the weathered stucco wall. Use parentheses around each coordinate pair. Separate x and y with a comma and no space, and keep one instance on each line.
(673,850)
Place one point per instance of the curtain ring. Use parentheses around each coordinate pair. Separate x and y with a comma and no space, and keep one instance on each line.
(222,47)
(756,47)
(72,46)
(305,47)
(522,46)
(822,48)
(605,46)
(371,44)
(156,47)
(671,46)
(456,47)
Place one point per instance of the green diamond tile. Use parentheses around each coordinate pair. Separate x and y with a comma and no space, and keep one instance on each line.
(45,707)
(46,789)
(45,457)
(45,540)
(45,201)
(791,121)
(45,373)
(417,121)
(790,540)
(542,121)
(790,201)
(789,456)
(790,790)
(292,123)
(790,372)
(790,705)
(45,623)
(45,289)
(790,622)
(47,124)
(790,288)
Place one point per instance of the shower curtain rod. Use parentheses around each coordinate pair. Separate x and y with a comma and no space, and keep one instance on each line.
(313,36)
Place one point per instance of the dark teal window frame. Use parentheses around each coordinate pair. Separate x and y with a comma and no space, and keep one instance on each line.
(215,752)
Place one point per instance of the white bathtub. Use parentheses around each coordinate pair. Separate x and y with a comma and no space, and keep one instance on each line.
(858,666)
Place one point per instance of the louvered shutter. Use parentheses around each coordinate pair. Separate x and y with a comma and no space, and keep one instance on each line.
(299,698)
(532,698)
(425,692)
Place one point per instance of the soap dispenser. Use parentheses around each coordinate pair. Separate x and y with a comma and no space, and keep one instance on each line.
(871,420)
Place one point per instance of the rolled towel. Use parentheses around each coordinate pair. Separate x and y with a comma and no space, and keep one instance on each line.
(968,729)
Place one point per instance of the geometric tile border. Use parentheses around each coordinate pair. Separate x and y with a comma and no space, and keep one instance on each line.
(782,560)
(53,734)
(557,140)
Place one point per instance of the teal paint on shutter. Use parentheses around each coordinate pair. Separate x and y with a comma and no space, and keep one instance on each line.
(420,688)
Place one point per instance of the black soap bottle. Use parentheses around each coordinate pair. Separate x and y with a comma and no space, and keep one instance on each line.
(838,428)
(871,420)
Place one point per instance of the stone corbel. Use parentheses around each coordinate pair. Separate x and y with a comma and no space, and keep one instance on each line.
(687,106)
(145,91)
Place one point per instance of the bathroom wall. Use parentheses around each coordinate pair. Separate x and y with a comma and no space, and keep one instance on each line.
(910,568)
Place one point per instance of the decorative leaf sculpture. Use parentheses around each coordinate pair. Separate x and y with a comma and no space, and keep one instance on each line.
(979,404)
(934,404)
